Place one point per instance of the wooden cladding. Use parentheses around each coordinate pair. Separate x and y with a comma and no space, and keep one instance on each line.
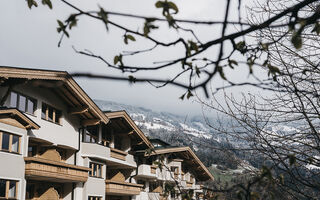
(43,169)
(118,154)
(122,188)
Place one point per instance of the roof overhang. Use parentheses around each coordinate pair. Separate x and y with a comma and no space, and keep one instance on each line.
(187,155)
(16,118)
(63,85)
(127,118)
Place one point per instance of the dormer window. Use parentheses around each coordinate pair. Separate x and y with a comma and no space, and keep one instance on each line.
(23,102)
(51,114)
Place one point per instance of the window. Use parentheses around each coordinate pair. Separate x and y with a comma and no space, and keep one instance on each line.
(118,142)
(9,142)
(96,170)
(90,134)
(22,102)
(15,144)
(51,114)
(32,151)
(5,141)
(8,189)
(175,170)
(94,198)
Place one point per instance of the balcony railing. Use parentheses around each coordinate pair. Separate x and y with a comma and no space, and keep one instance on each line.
(146,171)
(122,188)
(42,169)
(118,154)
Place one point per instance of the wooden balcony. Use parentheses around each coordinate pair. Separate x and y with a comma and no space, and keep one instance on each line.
(37,168)
(122,188)
(118,154)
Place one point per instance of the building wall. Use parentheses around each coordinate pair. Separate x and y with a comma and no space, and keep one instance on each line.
(65,134)
(12,165)
(95,186)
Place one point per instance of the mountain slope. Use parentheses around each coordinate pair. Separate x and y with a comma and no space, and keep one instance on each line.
(179,131)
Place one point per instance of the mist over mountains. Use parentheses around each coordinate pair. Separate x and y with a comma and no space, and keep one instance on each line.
(180,131)
(209,145)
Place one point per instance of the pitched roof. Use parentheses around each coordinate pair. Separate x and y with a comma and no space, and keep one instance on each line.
(189,157)
(62,84)
(124,115)
(14,117)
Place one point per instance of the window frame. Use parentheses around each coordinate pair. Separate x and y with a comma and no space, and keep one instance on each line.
(9,150)
(94,198)
(98,167)
(7,189)
(54,114)
(27,99)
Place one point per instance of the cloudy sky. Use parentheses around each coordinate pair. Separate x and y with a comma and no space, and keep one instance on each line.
(28,38)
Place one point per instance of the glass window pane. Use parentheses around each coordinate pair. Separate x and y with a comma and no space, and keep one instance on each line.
(99,171)
(30,151)
(13,99)
(15,143)
(50,115)
(90,172)
(5,141)
(87,138)
(22,103)
(30,106)
(58,116)
(2,188)
(94,170)
(12,189)
(43,111)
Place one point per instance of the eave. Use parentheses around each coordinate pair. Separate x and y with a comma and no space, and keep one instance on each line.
(16,118)
(63,85)
(125,116)
(204,174)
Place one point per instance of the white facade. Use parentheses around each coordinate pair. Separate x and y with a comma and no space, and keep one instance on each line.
(67,148)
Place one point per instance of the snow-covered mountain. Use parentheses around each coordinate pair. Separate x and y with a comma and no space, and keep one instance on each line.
(178,131)
(149,120)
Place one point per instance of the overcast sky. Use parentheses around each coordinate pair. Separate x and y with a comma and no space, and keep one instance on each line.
(29,39)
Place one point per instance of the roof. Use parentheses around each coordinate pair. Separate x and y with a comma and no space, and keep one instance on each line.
(123,114)
(190,158)
(14,117)
(61,83)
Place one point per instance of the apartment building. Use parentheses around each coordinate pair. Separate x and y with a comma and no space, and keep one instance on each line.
(55,143)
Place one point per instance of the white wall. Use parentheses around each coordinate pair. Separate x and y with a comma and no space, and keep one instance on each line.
(95,186)
(12,165)
(64,134)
